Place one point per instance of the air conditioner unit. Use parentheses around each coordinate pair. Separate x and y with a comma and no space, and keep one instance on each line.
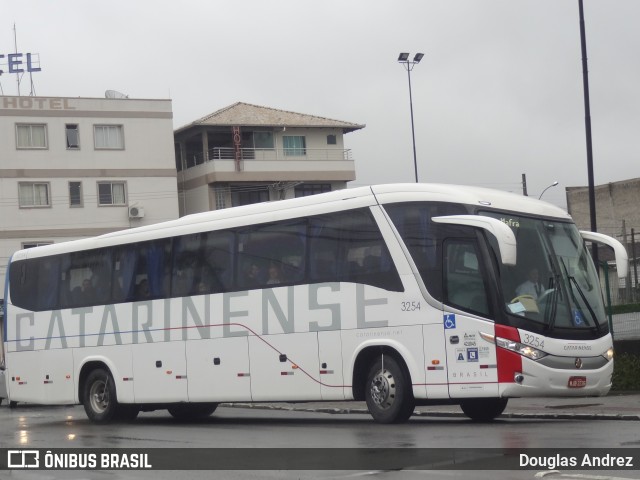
(136,212)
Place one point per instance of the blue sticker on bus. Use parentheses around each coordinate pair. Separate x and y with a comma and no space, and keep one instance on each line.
(472,354)
(578,318)
(450,321)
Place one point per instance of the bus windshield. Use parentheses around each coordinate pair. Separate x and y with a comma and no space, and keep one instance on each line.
(554,282)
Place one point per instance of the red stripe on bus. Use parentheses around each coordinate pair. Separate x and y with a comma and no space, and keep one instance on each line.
(509,363)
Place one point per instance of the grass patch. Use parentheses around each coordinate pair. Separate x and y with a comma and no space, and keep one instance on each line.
(626,372)
(629,308)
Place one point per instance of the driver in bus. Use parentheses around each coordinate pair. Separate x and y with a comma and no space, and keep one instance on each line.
(531,286)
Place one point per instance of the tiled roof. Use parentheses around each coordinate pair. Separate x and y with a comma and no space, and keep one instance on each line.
(247,115)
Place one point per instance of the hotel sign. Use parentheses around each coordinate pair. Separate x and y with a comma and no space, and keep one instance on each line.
(36,103)
(19,62)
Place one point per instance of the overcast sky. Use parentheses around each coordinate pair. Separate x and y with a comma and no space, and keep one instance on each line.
(498,94)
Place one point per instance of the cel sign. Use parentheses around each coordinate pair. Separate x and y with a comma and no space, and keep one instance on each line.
(15,62)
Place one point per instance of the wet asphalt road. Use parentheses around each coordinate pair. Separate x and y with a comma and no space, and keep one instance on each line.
(67,427)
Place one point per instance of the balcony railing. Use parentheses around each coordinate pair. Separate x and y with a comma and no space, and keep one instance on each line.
(270,154)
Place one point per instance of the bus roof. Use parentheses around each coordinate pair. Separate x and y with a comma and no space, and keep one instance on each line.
(310,205)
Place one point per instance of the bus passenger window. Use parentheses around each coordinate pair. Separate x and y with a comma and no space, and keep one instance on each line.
(202,263)
(86,278)
(216,260)
(348,247)
(272,254)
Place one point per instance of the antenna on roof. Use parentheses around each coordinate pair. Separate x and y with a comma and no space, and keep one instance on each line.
(114,94)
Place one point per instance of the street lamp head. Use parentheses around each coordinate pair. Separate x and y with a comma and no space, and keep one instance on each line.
(552,185)
(408,65)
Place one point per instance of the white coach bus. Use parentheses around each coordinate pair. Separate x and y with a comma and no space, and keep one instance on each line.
(399,295)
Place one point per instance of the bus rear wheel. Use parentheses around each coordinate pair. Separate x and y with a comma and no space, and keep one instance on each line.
(192,411)
(99,396)
(483,409)
(388,392)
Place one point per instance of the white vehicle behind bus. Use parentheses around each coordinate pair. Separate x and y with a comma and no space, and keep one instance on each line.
(399,295)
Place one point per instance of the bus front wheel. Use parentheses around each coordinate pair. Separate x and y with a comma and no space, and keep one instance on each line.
(483,409)
(388,392)
(100,401)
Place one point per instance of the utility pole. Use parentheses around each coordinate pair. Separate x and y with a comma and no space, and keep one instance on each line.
(626,246)
(587,126)
(635,266)
(524,184)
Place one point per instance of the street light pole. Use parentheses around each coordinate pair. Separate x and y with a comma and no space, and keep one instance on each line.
(552,185)
(587,127)
(403,58)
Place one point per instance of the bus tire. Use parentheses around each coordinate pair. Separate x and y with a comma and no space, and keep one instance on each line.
(483,409)
(388,392)
(99,396)
(127,413)
(192,411)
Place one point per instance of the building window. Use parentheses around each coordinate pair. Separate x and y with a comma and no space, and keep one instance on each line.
(111,193)
(221,198)
(331,140)
(294,145)
(307,189)
(35,244)
(73,136)
(263,140)
(33,194)
(31,136)
(247,195)
(109,137)
(75,194)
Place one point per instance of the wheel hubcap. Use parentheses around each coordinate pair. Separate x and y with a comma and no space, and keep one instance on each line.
(383,389)
(99,396)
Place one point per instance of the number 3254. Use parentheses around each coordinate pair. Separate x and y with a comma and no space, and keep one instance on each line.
(410,306)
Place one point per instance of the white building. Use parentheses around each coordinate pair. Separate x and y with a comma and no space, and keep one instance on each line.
(246,153)
(79,167)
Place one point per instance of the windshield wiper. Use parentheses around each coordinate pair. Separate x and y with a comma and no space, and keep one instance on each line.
(586,302)
(550,314)
(572,280)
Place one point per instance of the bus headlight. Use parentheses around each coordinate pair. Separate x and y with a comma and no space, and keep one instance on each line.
(608,354)
(519,348)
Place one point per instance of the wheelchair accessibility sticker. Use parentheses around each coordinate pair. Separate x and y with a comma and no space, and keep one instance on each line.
(450,321)
(472,354)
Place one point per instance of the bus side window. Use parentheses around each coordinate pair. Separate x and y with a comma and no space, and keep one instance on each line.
(423,238)
(122,285)
(48,280)
(202,263)
(87,278)
(23,281)
(153,272)
(272,254)
(348,247)
(465,285)
(216,274)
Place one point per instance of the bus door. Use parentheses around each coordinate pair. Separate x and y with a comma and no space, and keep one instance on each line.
(471,360)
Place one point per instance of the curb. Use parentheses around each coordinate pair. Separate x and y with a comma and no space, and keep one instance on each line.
(441,414)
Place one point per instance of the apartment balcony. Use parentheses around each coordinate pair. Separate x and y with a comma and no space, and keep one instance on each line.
(256,164)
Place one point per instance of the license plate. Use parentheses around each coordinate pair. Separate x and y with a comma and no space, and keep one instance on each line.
(577,382)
